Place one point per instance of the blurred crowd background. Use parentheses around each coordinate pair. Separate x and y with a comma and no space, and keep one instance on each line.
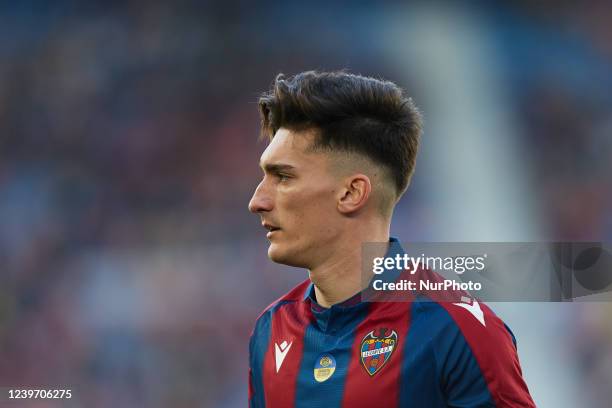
(130,268)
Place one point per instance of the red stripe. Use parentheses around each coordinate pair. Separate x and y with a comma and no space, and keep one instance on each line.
(381,389)
(288,324)
(496,355)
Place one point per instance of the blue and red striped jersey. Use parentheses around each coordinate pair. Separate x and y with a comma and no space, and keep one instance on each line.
(417,353)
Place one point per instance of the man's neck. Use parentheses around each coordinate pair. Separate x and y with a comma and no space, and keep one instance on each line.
(341,277)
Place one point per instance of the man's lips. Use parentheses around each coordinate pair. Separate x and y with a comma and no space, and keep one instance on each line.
(270,233)
(270,227)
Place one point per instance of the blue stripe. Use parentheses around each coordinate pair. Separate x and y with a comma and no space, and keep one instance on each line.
(511,335)
(439,368)
(258,345)
(338,341)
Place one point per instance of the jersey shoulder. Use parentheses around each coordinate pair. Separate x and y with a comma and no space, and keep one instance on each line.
(297,294)
(469,314)
(469,334)
(471,317)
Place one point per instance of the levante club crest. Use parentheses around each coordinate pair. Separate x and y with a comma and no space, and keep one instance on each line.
(377,350)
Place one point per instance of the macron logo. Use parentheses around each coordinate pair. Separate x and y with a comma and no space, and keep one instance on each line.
(280,352)
(473,308)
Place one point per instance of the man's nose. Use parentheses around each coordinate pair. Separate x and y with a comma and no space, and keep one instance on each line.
(261,200)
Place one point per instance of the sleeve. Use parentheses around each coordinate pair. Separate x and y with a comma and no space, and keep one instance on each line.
(478,361)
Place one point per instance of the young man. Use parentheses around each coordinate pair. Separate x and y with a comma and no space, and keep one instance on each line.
(341,152)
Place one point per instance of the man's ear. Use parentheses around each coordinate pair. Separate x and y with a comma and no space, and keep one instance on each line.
(355,193)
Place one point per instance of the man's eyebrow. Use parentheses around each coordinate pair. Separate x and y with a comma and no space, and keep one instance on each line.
(276,167)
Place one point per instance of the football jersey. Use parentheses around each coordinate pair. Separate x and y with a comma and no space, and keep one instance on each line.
(418,353)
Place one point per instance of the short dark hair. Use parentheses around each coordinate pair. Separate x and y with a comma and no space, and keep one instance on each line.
(352,113)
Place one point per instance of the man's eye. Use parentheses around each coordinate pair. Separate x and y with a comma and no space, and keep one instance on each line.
(283,177)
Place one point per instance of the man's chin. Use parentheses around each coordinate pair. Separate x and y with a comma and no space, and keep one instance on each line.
(280,256)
